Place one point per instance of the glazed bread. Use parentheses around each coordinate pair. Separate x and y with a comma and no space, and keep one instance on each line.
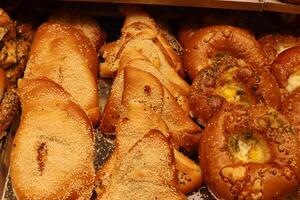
(64,55)
(212,42)
(146,172)
(55,143)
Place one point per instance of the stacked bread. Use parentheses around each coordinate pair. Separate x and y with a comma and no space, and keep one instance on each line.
(53,150)
(147,93)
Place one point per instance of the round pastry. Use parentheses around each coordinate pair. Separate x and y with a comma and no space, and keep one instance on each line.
(186,31)
(212,42)
(250,153)
(286,69)
(273,45)
(291,108)
(231,81)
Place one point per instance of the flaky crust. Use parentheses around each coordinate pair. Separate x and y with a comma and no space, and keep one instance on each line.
(256,180)
(210,41)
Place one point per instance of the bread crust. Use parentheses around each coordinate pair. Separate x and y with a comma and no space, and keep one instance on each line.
(286,63)
(210,41)
(273,45)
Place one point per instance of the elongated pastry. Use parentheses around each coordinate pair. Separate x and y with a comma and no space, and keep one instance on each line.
(64,55)
(53,150)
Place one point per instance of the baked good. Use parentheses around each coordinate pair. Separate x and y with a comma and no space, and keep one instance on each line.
(15,46)
(250,153)
(55,143)
(212,42)
(140,32)
(132,83)
(145,172)
(64,55)
(136,121)
(186,31)
(286,69)
(86,24)
(189,173)
(137,60)
(290,108)
(274,44)
(230,81)
(9,104)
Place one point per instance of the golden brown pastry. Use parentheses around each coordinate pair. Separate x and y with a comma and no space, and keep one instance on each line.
(231,82)
(277,43)
(133,83)
(53,150)
(145,172)
(189,173)
(286,69)
(211,42)
(86,24)
(140,32)
(64,55)
(250,153)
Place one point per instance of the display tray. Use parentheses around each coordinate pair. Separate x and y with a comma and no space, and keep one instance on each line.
(109,18)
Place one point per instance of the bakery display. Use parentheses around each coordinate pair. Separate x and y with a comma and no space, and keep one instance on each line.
(250,153)
(137,113)
(57,151)
(211,42)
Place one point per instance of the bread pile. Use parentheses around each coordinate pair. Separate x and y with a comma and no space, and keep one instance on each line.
(146,74)
(59,101)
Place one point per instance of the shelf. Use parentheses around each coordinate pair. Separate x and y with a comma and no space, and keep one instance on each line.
(252,5)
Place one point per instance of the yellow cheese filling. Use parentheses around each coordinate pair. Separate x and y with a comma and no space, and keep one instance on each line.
(293,81)
(249,149)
